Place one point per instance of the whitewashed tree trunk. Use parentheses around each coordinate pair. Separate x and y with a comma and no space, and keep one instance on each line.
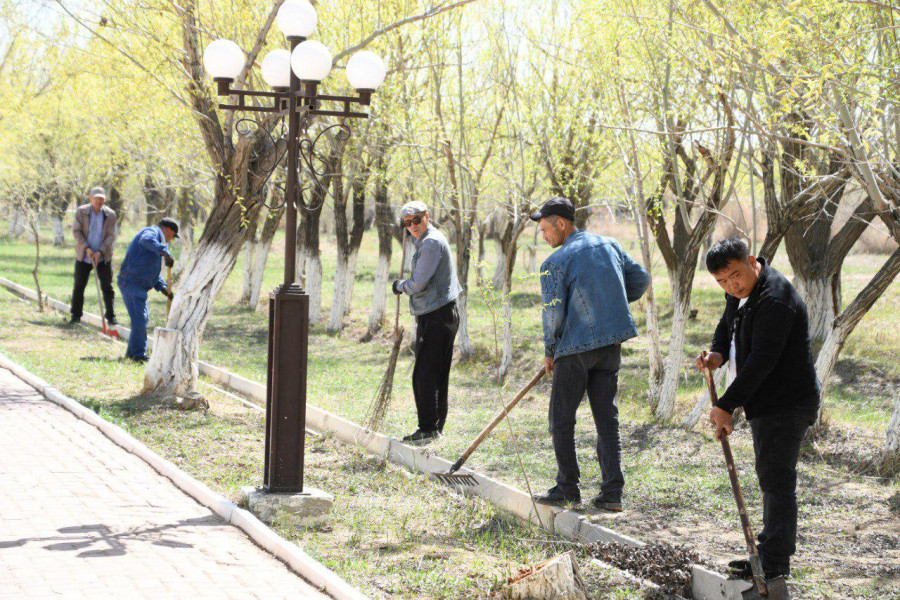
(172,367)
(379,299)
(249,254)
(821,306)
(681,305)
(57,226)
(466,349)
(500,269)
(344,278)
(703,403)
(890,462)
(259,269)
(531,254)
(314,287)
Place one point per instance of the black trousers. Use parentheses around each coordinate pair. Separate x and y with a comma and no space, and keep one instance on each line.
(435,334)
(776,444)
(597,373)
(82,277)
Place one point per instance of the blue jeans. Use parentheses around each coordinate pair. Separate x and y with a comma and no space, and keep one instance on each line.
(135,300)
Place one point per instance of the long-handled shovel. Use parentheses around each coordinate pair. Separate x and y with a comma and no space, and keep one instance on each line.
(106,330)
(451,478)
(773,589)
(383,396)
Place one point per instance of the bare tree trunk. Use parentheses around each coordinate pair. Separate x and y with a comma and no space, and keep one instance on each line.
(890,460)
(32,222)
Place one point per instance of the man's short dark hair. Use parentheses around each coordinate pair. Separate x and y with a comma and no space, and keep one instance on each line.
(725,251)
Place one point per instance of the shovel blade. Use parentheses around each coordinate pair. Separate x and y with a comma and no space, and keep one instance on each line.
(777,590)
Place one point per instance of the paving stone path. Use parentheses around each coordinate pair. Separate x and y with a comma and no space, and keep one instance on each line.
(82,518)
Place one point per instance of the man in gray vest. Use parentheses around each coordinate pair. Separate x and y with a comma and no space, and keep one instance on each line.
(94,229)
(432,289)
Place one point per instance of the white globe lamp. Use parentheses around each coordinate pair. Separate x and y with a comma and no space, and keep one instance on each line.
(311,61)
(223,59)
(296,19)
(365,71)
(276,69)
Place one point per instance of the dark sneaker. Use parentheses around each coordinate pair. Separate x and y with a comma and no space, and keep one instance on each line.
(112,320)
(138,359)
(420,438)
(556,497)
(610,503)
(741,569)
(74,320)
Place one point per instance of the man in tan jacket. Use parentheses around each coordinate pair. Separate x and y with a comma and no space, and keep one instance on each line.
(95,235)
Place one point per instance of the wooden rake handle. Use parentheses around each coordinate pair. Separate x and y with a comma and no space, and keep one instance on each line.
(497,418)
(758,578)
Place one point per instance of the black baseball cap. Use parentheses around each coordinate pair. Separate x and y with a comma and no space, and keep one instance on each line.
(558,206)
(170,223)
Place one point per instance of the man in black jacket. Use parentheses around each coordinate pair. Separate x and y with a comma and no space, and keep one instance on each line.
(764,337)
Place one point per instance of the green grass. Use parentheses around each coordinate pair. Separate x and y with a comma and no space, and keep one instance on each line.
(392,534)
(676,488)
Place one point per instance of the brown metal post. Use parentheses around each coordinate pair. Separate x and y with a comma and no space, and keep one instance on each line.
(288,340)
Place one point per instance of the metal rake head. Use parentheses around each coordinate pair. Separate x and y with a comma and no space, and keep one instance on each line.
(456,479)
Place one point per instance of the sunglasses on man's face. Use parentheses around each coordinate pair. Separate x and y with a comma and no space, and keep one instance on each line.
(413,221)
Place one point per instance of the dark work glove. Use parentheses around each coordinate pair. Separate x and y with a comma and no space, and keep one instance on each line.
(395,287)
(170,262)
(168,294)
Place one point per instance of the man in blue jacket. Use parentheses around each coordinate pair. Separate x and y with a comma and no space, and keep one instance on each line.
(586,286)
(139,272)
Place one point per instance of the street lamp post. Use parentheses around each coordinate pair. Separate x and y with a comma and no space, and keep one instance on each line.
(294,77)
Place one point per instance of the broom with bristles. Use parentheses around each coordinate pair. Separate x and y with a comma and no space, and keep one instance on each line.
(382,401)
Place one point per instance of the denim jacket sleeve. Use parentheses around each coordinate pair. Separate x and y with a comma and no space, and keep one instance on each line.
(637,280)
(554,295)
(771,328)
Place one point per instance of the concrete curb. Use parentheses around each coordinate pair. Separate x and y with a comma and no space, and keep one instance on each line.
(706,584)
(289,553)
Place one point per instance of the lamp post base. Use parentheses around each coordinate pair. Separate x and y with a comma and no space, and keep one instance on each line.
(286,389)
(304,509)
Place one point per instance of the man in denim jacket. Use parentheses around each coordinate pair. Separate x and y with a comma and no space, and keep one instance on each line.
(432,288)
(586,286)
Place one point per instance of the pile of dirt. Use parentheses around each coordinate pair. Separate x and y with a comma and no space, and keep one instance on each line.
(667,565)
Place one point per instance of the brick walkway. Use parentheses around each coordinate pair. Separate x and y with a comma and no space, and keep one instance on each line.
(82,518)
